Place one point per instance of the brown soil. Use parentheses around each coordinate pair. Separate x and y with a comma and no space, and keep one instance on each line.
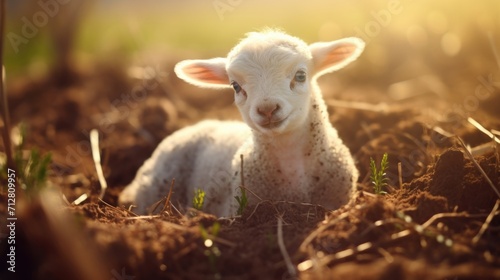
(430,225)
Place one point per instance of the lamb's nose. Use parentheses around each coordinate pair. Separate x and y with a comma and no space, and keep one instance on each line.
(268,110)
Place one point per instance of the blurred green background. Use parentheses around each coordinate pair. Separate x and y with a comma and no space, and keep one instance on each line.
(426,35)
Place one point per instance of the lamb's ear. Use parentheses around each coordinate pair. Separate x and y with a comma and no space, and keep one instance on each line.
(208,73)
(332,56)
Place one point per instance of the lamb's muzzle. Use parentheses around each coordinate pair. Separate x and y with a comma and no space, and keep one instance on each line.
(290,149)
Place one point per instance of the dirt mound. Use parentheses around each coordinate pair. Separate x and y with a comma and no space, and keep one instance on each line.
(452,184)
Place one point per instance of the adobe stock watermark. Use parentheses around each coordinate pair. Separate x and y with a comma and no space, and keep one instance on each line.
(381,19)
(31,26)
(222,178)
(484,89)
(123,106)
(224,6)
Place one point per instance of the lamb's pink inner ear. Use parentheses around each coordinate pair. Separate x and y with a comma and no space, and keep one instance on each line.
(336,56)
(204,73)
(332,56)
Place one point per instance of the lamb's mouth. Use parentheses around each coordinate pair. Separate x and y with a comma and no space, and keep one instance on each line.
(272,124)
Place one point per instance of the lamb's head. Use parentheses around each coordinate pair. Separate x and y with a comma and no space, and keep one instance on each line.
(273,76)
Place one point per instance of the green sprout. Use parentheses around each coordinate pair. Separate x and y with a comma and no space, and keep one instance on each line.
(379,177)
(198,199)
(31,166)
(242,201)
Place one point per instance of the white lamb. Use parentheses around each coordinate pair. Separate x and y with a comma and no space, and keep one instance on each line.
(291,151)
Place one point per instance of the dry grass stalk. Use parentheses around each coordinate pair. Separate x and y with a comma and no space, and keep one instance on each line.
(289,265)
(438,216)
(486,223)
(156,204)
(272,203)
(481,128)
(80,199)
(168,205)
(96,156)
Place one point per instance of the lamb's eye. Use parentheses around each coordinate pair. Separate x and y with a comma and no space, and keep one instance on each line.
(236,87)
(300,76)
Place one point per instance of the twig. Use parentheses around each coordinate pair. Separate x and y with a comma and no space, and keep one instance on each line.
(167,202)
(176,210)
(156,204)
(478,167)
(272,203)
(107,204)
(284,253)
(253,193)
(256,207)
(94,143)
(117,209)
(450,215)
(486,223)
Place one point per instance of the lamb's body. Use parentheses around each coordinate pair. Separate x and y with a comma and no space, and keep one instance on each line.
(198,157)
(291,151)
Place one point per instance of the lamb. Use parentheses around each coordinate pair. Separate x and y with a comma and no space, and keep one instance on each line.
(290,150)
